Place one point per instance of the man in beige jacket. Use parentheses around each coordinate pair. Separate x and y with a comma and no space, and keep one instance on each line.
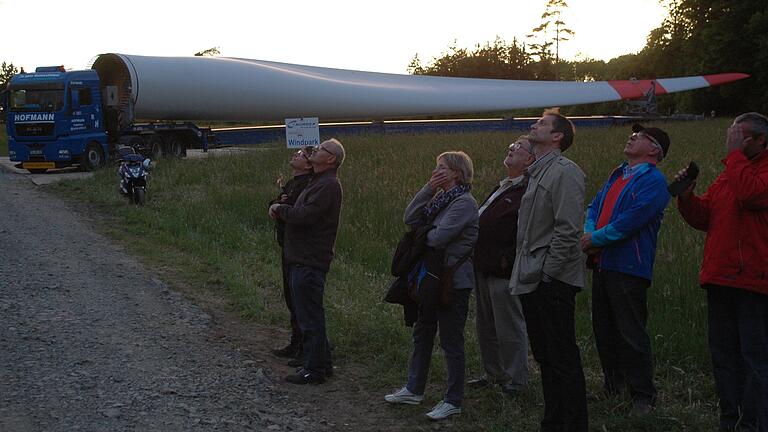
(549,271)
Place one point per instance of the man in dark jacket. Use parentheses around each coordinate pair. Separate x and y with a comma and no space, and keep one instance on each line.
(310,234)
(620,234)
(500,323)
(302,172)
(734,214)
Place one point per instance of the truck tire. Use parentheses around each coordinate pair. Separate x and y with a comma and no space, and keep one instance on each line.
(93,157)
(174,147)
(155,147)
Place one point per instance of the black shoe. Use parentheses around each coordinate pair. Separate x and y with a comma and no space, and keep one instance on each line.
(305,377)
(478,382)
(328,371)
(290,350)
(296,362)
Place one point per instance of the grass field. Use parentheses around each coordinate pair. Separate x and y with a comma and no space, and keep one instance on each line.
(208,219)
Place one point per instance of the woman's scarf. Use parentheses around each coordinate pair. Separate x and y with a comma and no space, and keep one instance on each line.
(441,201)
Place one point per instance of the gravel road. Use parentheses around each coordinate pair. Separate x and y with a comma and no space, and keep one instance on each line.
(91,341)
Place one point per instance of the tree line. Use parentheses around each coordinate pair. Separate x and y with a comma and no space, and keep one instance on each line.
(698,37)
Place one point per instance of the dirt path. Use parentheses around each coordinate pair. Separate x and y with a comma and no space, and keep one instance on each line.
(92,340)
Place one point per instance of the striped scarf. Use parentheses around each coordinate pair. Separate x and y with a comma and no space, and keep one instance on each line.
(441,201)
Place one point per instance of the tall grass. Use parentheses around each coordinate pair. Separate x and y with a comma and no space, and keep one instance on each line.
(208,218)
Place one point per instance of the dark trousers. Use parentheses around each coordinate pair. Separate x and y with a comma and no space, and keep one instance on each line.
(549,315)
(308,287)
(738,343)
(451,320)
(295,329)
(619,318)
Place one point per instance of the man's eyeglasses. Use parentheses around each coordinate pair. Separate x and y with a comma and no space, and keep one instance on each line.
(318,148)
(302,153)
(648,137)
(519,145)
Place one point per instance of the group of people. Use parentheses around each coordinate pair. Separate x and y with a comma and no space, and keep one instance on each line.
(524,251)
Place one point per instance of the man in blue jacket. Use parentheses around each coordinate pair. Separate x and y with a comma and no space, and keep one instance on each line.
(620,234)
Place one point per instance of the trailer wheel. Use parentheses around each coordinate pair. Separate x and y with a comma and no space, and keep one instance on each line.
(174,147)
(93,157)
(155,147)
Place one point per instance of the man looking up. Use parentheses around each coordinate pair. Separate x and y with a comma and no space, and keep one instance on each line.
(620,235)
(302,172)
(500,324)
(549,271)
(311,225)
(734,214)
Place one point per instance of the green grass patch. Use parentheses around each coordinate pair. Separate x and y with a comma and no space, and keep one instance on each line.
(207,218)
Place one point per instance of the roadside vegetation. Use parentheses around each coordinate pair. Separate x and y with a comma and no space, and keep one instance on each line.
(207,220)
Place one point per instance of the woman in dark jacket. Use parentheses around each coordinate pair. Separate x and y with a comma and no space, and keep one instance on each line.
(445,203)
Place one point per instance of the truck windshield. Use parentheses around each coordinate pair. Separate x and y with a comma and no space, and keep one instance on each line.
(37,100)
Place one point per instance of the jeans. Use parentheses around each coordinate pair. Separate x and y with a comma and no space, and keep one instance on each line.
(307,287)
(450,320)
(619,318)
(738,343)
(549,315)
(295,329)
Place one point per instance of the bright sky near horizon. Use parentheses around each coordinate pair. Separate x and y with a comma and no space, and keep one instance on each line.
(357,35)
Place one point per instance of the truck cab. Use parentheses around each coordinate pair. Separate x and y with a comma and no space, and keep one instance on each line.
(55,119)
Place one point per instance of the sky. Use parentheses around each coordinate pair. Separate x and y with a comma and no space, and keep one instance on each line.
(358,35)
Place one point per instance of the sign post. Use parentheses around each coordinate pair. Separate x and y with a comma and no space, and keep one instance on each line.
(300,132)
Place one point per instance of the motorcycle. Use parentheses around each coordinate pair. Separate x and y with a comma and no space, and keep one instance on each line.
(133,171)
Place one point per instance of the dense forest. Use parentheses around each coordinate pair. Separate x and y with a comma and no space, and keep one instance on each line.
(698,37)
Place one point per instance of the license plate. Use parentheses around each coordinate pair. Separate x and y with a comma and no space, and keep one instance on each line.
(38,165)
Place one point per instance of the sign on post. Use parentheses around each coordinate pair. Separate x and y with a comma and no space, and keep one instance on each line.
(300,132)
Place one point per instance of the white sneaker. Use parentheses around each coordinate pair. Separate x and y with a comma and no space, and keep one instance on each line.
(443,410)
(403,396)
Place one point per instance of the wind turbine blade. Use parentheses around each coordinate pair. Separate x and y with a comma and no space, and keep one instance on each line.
(233,89)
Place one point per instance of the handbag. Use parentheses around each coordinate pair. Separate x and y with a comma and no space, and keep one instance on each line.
(437,287)
(447,291)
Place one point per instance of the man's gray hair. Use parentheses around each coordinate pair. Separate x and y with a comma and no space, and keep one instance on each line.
(758,124)
(336,149)
(461,162)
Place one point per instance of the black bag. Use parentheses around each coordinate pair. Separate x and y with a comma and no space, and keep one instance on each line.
(437,287)
(409,250)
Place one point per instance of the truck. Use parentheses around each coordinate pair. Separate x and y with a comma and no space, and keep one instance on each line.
(57,118)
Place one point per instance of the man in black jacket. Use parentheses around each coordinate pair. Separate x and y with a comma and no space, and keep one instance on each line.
(310,234)
(302,172)
(500,324)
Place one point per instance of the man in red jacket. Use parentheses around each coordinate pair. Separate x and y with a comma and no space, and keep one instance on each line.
(734,214)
